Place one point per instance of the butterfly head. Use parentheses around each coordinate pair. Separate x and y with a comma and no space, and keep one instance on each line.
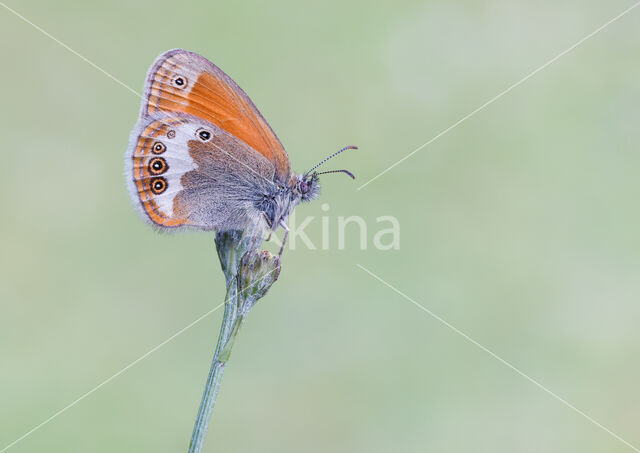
(277,206)
(307,186)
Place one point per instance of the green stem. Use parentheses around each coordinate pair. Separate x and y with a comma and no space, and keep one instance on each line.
(249,275)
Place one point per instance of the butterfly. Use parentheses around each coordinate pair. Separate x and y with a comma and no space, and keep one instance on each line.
(202,156)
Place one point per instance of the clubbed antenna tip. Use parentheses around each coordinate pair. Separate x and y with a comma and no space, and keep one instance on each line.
(337,171)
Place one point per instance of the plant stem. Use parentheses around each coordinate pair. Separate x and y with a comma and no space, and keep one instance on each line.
(215,375)
(249,275)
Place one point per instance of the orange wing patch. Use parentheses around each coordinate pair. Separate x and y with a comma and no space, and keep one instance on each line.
(182,81)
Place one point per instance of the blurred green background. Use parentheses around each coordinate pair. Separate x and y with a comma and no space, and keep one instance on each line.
(520,227)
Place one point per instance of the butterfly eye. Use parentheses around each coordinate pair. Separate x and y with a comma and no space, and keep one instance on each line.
(304,187)
(179,82)
(158,185)
(158,148)
(157,166)
(203,134)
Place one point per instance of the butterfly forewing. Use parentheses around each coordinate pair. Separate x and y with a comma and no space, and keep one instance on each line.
(182,81)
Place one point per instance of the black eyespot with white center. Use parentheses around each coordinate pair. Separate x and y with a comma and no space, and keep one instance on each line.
(158,185)
(158,166)
(204,134)
(179,81)
(158,148)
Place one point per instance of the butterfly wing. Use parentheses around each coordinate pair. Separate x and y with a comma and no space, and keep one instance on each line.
(185,171)
(185,82)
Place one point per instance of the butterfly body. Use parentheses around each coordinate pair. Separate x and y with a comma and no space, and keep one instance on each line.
(202,156)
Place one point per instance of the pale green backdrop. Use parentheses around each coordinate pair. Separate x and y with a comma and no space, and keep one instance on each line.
(520,227)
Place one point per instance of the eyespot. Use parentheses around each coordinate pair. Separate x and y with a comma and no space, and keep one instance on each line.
(158,185)
(171,134)
(204,134)
(158,166)
(158,148)
(179,82)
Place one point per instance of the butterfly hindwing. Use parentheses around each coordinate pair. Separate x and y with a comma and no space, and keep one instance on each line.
(188,172)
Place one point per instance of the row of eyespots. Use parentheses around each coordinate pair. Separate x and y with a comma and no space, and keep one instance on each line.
(158,166)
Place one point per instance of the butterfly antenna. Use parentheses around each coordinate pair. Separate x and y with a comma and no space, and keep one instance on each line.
(330,157)
(337,171)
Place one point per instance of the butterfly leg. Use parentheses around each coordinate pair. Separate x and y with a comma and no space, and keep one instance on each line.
(284,239)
